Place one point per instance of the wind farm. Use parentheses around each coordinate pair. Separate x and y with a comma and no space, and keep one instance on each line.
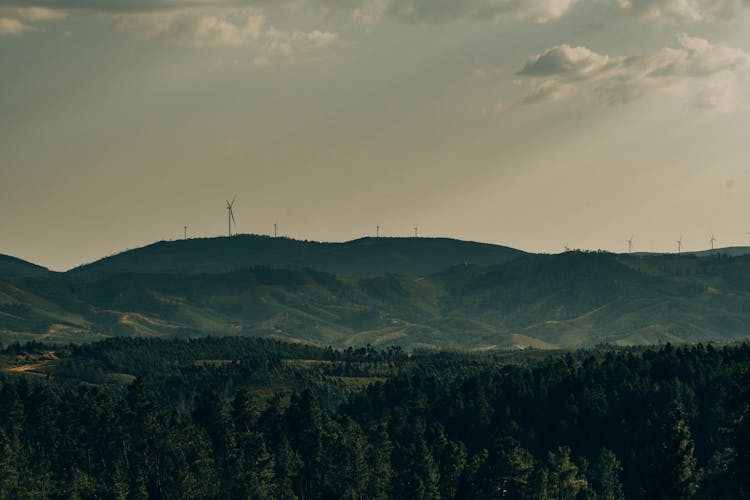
(680,249)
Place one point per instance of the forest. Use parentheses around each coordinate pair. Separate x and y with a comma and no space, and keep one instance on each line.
(258,418)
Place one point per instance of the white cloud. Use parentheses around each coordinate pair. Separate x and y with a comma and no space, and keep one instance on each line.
(286,47)
(196,27)
(199,27)
(10,26)
(438,11)
(40,14)
(708,75)
(14,21)
(422,11)
(690,11)
(365,11)
(565,60)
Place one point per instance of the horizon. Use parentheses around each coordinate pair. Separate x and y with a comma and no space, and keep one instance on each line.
(384,237)
(547,124)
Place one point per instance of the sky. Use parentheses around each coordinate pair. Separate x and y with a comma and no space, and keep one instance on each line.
(536,124)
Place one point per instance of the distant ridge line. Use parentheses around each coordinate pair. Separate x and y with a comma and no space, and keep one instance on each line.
(362,256)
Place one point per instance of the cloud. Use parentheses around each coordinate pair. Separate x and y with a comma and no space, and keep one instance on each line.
(39,14)
(197,27)
(128,6)
(690,11)
(196,23)
(424,11)
(14,20)
(10,26)
(440,11)
(710,76)
(201,27)
(287,47)
(565,60)
(365,11)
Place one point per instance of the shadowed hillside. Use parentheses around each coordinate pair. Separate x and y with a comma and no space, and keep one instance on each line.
(362,257)
(543,301)
(726,251)
(11,266)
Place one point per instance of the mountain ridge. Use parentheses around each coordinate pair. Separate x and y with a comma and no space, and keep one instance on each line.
(360,257)
(574,299)
(13,266)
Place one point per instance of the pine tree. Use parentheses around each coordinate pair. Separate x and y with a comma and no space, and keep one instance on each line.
(676,474)
(605,476)
(9,487)
(565,481)
(740,464)
(379,458)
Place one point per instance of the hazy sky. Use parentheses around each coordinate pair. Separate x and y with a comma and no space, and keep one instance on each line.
(529,123)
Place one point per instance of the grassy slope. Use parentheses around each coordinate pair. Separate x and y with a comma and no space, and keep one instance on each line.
(543,301)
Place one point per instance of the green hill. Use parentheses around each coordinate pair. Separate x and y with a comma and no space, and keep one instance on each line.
(542,301)
(12,266)
(726,251)
(362,257)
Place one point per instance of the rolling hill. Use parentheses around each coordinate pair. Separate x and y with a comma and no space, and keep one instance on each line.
(542,301)
(362,257)
(12,266)
(725,251)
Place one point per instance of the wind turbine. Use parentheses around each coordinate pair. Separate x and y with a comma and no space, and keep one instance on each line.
(185,227)
(630,244)
(230,215)
(377,231)
(416,230)
(713,240)
(679,245)
(275,228)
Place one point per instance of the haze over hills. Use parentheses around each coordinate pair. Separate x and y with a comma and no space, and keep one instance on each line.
(396,291)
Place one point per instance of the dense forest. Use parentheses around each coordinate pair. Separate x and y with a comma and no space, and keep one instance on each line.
(254,418)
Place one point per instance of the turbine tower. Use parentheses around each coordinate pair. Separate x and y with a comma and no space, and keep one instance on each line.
(185,227)
(275,227)
(679,245)
(377,231)
(630,244)
(416,231)
(230,215)
(713,240)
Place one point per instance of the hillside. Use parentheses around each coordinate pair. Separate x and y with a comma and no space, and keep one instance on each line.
(728,251)
(12,266)
(362,257)
(543,301)
(725,251)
